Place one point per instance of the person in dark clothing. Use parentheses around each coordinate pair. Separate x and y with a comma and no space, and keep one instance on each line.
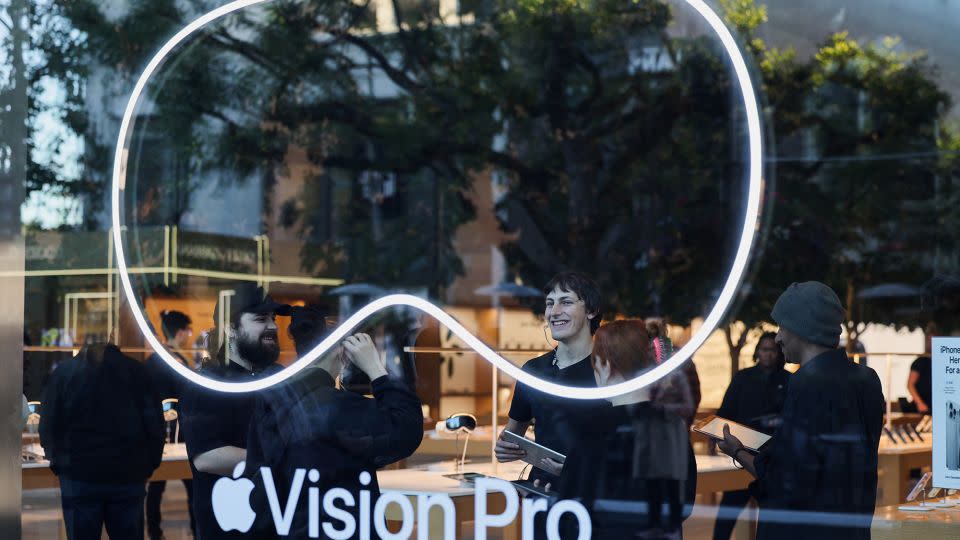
(102,431)
(920,383)
(573,313)
(754,398)
(817,476)
(178,334)
(215,424)
(341,437)
(639,457)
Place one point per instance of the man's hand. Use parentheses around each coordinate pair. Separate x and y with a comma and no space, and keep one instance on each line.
(360,350)
(922,408)
(508,451)
(546,486)
(551,466)
(730,444)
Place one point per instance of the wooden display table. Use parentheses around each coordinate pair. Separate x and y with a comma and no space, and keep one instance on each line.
(895,464)
(430,479)
(37,474)
(716,474)
(891,523)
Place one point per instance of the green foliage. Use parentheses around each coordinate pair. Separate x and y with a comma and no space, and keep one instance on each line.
(608,162)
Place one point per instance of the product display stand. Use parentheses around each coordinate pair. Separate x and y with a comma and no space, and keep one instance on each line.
(920,489)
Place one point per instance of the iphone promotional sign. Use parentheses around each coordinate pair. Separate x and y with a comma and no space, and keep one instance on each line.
(946,412)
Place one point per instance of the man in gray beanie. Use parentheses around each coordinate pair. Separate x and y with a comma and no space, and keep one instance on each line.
(823,459)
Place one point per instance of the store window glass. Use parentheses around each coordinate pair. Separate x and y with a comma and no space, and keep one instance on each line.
(280,274)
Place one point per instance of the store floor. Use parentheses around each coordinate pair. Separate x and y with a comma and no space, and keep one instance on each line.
(43,520)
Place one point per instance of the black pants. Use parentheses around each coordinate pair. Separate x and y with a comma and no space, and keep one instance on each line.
(155,496)
(732,504)
(88,507)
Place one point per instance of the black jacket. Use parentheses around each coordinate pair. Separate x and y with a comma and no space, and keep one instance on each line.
(817,476)
(307,424)
(755,398)
(168,382)
(102,420)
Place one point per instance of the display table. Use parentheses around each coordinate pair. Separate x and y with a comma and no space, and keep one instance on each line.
(895,464)
(37,474)
(430,479)
(716,474)
(891,523)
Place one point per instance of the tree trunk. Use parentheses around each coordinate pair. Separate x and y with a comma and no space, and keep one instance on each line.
(851,323)
(13,181)
(735,348)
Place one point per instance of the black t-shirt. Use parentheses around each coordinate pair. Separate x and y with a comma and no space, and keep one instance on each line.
(922,365)
(556,420)
(212,420)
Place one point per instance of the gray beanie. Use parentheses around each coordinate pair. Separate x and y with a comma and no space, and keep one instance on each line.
(812,311)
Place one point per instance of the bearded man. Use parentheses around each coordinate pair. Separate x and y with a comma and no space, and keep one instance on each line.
(215,424)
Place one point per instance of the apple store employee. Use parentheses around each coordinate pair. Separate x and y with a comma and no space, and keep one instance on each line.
(573,312)
(215,424)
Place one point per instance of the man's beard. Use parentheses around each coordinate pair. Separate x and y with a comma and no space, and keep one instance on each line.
(255,351)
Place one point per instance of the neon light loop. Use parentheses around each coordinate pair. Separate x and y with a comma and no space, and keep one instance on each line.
(730,286)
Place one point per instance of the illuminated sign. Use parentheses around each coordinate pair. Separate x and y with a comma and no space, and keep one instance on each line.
(330,511)
(713,318)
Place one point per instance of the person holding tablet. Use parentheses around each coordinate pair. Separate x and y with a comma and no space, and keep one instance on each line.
(755,399)
(573,313)
(823,458)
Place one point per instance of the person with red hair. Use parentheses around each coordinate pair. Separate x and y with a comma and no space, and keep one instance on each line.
(638,475)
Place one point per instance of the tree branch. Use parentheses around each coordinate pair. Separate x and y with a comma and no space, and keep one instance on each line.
(396,75)
(228,42)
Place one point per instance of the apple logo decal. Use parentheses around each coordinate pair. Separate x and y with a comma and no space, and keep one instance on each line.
(747,99)
(231,501)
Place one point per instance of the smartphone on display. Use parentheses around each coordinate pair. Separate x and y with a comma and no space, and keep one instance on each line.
(889,435)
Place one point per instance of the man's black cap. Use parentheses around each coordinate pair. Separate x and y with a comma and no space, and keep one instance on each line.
(249,298)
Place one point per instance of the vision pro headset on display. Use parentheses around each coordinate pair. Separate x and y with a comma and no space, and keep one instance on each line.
(459,423)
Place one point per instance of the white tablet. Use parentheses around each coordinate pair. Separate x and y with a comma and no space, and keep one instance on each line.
(712,426)
(535,452)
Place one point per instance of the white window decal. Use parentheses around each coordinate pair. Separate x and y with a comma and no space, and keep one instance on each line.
(726,296)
